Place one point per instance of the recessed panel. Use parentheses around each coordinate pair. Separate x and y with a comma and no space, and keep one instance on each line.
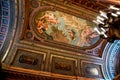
(91,70)
(63,66)
(28,60)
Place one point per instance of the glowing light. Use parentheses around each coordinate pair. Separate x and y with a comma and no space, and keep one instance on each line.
(102,33)
(103,14)
(103,29)
(98,17)
(100,21)
(118,12)
(94,71)
(113,14)
(96,29)
(114,8)
(95,22)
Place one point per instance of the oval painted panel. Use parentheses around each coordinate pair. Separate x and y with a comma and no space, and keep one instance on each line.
(62,27)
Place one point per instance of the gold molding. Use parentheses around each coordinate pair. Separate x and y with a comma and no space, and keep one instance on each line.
(42,73)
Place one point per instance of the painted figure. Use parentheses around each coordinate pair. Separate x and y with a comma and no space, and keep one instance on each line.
(71,34)
(45,20)
(65,28)
(41,26)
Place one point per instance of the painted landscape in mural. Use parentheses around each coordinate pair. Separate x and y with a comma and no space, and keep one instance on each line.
(62,27)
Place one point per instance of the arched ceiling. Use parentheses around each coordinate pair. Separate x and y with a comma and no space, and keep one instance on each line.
(27,50)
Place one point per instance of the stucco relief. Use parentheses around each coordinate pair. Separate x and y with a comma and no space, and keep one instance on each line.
(63,27)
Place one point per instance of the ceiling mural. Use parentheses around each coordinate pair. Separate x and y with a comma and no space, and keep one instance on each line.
(63,27)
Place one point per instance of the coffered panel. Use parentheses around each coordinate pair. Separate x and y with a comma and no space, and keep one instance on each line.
(29,59)
(91,69)
(63,65)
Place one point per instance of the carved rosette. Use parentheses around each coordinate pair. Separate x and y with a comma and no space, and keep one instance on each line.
(34,3)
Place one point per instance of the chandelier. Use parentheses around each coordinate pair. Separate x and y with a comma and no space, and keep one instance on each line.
(108,24)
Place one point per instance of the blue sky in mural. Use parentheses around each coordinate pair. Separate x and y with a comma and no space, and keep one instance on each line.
(62,27)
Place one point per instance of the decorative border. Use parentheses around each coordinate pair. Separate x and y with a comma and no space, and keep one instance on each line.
(65,6)
(112,53)
(5,19)
(11,29)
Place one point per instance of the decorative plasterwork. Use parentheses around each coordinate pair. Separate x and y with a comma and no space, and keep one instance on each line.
(92,5)
(65,6)
(30,48)
(5,19)
(112,52)
(7,25)
(19,73)
(45,5)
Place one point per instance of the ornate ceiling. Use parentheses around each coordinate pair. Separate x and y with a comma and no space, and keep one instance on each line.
(91,4)
(54,39)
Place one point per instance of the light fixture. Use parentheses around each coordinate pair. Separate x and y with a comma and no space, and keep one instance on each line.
(108,24)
